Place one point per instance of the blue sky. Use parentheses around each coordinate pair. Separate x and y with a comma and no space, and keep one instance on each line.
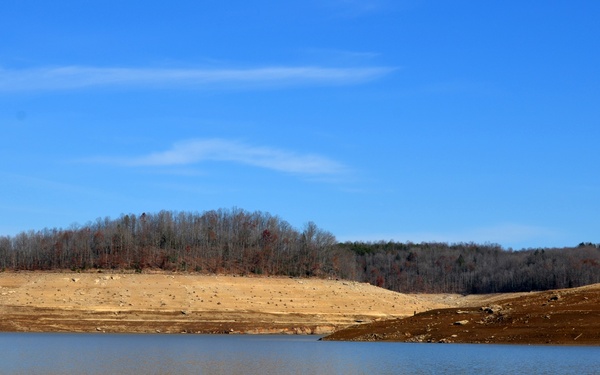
(377,120)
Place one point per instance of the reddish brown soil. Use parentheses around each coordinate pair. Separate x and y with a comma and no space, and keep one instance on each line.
(560,317)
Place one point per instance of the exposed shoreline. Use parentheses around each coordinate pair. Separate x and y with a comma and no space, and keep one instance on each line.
(557,317)
(193,303)
(120,302)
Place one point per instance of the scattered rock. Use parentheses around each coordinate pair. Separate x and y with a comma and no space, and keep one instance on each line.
(461,323)
(494,309)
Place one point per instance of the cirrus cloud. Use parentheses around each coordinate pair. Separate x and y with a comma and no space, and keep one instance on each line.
(202,150)
(80,77)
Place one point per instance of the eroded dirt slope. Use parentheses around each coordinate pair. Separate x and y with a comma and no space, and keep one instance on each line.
(567,316)
(162,302)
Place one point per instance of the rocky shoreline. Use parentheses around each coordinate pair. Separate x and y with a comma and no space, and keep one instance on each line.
(559,317)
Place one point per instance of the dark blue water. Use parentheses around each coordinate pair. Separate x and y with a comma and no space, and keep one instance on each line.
(22,353)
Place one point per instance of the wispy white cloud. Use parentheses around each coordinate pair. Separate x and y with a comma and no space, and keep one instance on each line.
(79,77)
(201,150)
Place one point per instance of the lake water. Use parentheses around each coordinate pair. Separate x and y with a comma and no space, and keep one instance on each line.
(53,353)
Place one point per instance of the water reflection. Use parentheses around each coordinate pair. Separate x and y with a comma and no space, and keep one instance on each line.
(232,354)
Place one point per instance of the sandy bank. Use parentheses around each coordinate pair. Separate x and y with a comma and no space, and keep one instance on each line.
(163,302)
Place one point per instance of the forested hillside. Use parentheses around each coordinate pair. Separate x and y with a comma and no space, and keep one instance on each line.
(240,242)
(230,241)
(474,268)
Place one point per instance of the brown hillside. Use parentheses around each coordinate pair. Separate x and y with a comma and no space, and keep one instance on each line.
(567,316)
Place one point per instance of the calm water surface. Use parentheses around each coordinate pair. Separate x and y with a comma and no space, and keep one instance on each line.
(52,353)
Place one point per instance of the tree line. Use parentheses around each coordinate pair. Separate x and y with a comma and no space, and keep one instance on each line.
(231,241)
(471,268)
(236,241)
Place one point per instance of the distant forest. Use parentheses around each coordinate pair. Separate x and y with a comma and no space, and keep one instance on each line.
(240,242)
